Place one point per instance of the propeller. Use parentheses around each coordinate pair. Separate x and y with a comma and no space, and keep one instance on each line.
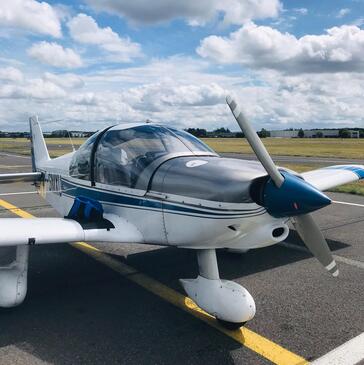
(288,195)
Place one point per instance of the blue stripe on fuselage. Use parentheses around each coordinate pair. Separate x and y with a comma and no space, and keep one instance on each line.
(74,190)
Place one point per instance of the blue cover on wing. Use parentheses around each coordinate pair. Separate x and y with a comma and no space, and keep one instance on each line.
(84,208)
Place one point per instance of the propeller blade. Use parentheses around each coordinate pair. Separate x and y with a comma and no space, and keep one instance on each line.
(255,143)
(315,242)
(304,223)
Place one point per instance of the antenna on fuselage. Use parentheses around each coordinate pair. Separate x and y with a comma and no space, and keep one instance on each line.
(68,132)
(70,138)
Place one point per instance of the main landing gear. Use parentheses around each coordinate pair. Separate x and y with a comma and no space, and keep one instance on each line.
(13,275)
(229,302)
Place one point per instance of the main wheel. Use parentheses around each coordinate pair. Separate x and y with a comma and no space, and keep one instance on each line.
(232,326)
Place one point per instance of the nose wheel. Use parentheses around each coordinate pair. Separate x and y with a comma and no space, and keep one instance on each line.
(230,303)
(232,326)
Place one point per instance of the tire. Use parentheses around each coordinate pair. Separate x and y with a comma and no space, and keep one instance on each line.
(232,326)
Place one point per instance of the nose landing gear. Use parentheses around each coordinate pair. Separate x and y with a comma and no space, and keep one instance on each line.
(230,303)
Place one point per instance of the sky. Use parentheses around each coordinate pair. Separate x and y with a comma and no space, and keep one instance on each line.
(84,65)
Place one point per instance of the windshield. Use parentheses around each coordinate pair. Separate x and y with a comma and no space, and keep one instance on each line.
(123,154)
(193,143)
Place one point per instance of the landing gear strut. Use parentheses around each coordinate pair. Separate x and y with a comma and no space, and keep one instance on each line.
(228,301)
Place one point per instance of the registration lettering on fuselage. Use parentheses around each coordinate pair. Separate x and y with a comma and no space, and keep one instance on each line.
(53,183)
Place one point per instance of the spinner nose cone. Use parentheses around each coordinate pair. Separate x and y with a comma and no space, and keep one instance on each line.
(294,197)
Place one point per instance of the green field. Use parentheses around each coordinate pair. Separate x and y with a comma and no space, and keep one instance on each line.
(310,147)
(57,146)
(313,147)
(339,148)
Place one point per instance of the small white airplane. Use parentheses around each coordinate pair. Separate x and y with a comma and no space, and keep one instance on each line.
(148,183)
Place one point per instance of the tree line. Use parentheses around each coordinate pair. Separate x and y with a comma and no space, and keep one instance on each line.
(223,133)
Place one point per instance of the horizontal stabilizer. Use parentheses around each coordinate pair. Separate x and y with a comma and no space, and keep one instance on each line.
(21,176)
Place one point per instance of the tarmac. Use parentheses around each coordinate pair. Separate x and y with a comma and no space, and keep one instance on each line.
(85,311)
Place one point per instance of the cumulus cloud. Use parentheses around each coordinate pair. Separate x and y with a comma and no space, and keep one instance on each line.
(160,96)
(18,86)
(239,12)
(340,49)
(11,74)
(30,15)
(270,98)
(163,70)
(302,11)
(195,12)
(34,88)
(194,97)
(310,100)
(343,12)
(55,55)
(84,29)
(89,98)
(65,80)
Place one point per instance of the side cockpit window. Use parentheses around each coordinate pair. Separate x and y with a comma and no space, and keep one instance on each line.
(80,166)
(122,155)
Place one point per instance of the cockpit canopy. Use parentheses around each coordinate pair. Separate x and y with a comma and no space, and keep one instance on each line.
(121,154)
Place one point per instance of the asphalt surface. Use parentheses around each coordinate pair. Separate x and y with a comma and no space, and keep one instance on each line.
(78,311)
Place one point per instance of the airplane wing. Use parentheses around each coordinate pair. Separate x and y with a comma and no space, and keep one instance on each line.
(19,231)
(332,176)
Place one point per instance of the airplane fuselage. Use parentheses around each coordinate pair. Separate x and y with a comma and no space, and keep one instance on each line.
(169,211)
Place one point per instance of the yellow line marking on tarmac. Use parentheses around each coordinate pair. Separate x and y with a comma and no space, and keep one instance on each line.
(253,341)
(15,210)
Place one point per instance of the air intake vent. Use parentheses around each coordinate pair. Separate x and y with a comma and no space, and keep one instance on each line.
(257,189)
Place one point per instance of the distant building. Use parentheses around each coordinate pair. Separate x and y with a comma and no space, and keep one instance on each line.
(309,133)
(322,133)
(284,134)
(78,134)
(354,134)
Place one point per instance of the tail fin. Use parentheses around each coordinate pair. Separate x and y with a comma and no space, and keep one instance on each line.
(38,145)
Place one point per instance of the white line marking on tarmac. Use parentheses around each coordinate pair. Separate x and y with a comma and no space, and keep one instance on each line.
(351,262)
(346,203)
(13,155)
(349,353)
(19,193)
(345,260)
